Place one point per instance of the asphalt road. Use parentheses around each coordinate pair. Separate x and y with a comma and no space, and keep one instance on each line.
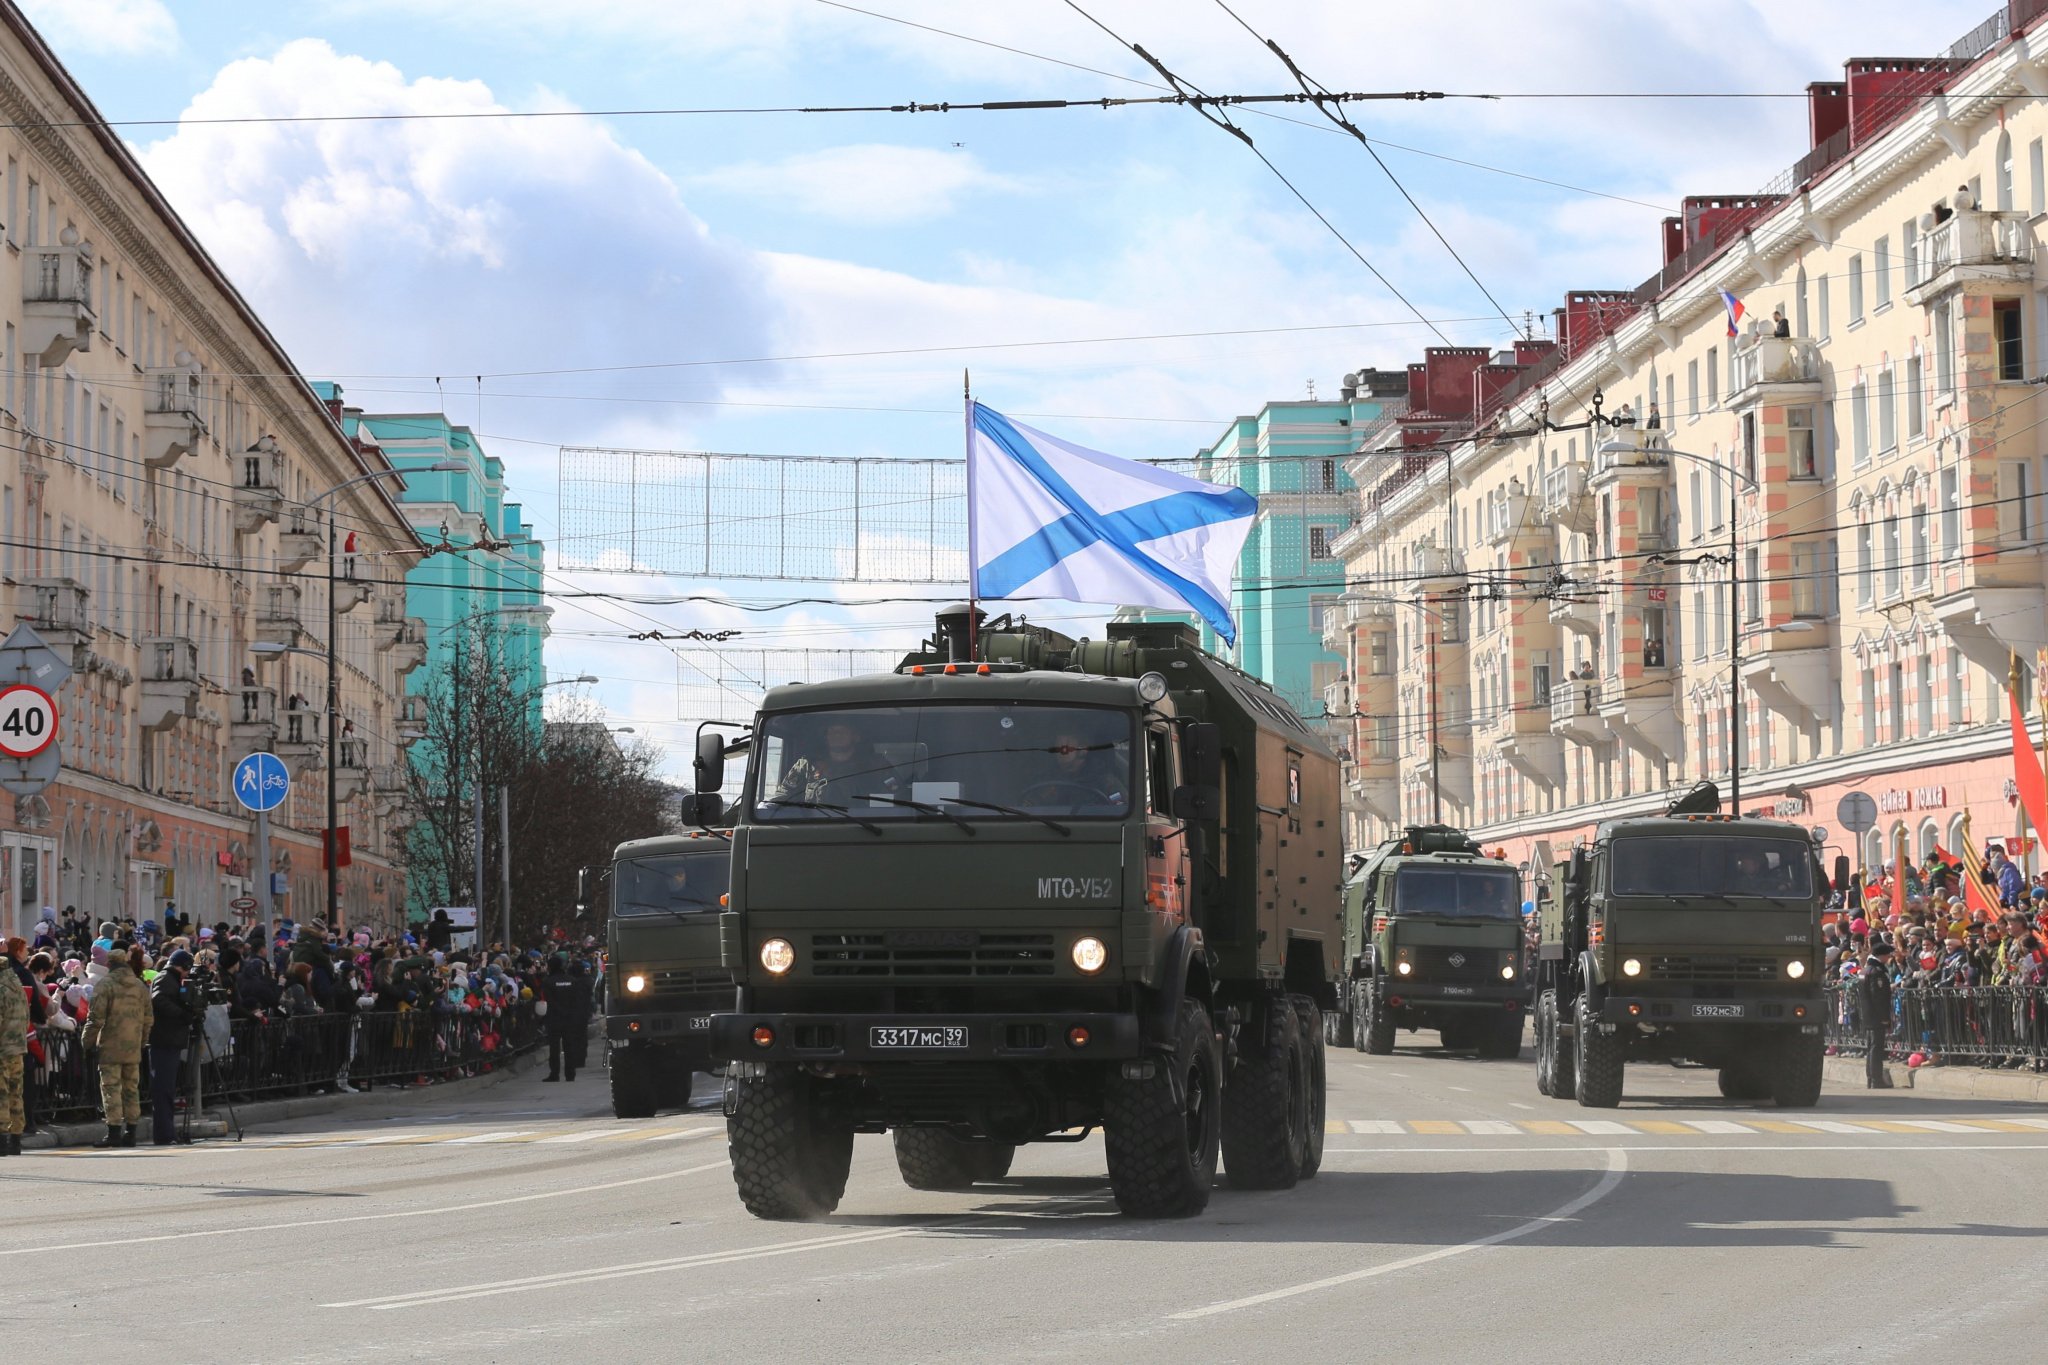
(1459,1216)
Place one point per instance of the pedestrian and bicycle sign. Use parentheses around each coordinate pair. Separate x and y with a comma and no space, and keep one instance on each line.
(262,782)
(28,720)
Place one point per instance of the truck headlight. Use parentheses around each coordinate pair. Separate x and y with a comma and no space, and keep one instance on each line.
(635,984)
(1404,968)
(1796,968)
(1631,967)
(777,956)
(1090,955)
(1507,973)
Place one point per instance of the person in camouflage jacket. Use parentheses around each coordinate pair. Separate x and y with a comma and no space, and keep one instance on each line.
(117,1024)
(13,1043)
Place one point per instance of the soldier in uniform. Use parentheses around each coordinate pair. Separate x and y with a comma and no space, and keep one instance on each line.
(1874,1006)
(568,997)
(117,1025)
(13,1043)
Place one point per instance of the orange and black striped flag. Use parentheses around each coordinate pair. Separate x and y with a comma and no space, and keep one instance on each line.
(1977,892)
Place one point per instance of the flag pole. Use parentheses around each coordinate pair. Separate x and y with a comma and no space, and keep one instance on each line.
(967,419)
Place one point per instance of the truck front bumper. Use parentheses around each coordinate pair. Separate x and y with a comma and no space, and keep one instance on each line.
(1746,1010)
(914,1038)
(684,1026)
(1422,995)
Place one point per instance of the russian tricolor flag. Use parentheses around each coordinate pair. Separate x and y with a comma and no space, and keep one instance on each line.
(1734,310)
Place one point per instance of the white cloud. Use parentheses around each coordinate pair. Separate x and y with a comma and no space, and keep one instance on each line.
(122,28)
(865,183)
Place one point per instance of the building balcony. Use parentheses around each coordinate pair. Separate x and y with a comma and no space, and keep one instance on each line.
(278,618)
(1776,370)
(252,719)
(1633,458)
(1337,698)
(171,426)
(1577,614)
(1637,708)
(1575,711)
(1565,503)
(350,593)
(1362,610)
(1437,566)
(299,738)
(408,645)
(1510,520)
(1990,621)
(351,768)
(1374,788)
(56,291)
(60,610)
(259,486)
(412,721)
(170,682)
(390,787)
(1336,632)
(299,540)
(1974,246)
(1525,739)
(1449,775)
(390,605)
(1793,675)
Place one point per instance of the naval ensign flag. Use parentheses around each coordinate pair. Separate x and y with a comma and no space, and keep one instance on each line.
(1052,519)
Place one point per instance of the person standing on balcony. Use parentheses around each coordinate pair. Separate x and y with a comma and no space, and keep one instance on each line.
(1780,326)
(1655,420)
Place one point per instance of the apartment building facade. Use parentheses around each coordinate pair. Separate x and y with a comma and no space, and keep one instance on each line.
(1540,621)
(164,494)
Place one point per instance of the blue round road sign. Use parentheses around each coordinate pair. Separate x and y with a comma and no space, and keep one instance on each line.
(262,782)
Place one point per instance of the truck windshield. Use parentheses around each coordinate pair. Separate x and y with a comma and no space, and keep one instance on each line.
(885,762)
(1460,892)
(1694,865)
(675,884)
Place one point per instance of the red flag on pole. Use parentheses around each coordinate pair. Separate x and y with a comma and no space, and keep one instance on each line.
(2026,762)
(1898,877)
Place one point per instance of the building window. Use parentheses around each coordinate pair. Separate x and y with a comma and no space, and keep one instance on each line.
(1799,443)
(1380,654)
(1923,568)
(1909,240)
(1916,419)
(1453,614)
(1318,542)
(1891,558)
(1881,273)
(1859,425)
(2037,190)
(1951,511)
(1944,351)
(1699,509)
(1824,310)
(1692,390)
(1958,686)
(1810,579)
(1855,289)
(1869,700)
(1866,566)
(1699,624)
(1752,585)
(1799,309)
(1319,605)
(1386,736)
(1654,640)
(1327,473)
(2005,329)
(1713,377)
(1887,413)
(2003,178)
(1749,445)
(1897,678)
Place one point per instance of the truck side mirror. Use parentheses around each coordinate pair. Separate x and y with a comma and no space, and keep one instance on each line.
(1575,875)
(583,888)
(1200,795)
(702,808)
(709,767)
(1197,803)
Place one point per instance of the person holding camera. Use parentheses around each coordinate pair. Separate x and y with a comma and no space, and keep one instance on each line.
(174,1017)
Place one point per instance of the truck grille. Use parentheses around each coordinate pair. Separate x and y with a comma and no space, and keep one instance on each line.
(1474,965)
(685,979)
(1713,969)
(915,953)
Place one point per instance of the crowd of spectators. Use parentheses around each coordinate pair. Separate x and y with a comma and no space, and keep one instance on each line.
(267,977)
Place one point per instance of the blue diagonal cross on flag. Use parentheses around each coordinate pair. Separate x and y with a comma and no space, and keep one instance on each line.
(1053,519)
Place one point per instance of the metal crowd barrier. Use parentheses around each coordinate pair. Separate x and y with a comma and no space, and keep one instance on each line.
(1987,1025)
(250,1059)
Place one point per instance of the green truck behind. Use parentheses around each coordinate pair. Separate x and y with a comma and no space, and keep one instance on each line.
(1433,939)
(1020,890)
(1694,936)
(665,977)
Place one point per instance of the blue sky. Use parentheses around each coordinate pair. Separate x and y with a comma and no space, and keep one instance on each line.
(388,254)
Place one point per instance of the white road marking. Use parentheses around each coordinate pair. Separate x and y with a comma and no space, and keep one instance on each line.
(2031,1123)
(1516,1153)
(1602,1127)
(1385,1126)
(1513,1104)
(590,1136)
(1725,1126)
(365,1217)
(685,1133)
(1938,1126)
(1490,1128)
(1836,1126)
(487,1137)
(565,1279)
(1461,1089)
(1617,1167)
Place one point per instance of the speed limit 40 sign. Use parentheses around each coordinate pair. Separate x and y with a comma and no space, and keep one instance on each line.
(28,721)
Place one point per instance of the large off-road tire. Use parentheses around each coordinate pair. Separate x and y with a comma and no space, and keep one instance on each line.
(789,1157)
(1795,1071)
(933,1159)
(1544,1025)
(632,1075)
(1743,1080)
(1501,1039)
(1337,1023)
(1598,1062)
(1316,1127)
(1162,1133)
(1265,1101)
(1564,1075)
(1375,1025)
(1354,1004)
(1458,1035)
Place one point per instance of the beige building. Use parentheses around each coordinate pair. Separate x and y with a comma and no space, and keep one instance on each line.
(158,455)
(1540,578)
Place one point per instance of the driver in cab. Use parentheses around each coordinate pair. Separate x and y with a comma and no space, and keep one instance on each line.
(845,768)
(1756,876)
(1081,775)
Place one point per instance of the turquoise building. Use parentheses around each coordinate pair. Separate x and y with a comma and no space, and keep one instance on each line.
(1292,457)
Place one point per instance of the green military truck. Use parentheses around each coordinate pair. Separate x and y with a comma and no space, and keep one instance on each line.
(1019,890)
(664,975)
(1433,939)
(1692,935)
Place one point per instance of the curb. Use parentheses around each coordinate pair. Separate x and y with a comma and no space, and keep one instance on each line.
(213,1124)
(1945,1082)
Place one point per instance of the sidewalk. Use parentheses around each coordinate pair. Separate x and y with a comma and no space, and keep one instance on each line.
(213,1123)
(1945,1082)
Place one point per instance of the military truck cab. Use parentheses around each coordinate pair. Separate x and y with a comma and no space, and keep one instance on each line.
(1433,939)
(1693,935)
(665,976)
(1021,892)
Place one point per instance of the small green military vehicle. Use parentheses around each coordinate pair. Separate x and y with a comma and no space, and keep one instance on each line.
(1021,889)
(664,976)
(1433,939)
(1692,935)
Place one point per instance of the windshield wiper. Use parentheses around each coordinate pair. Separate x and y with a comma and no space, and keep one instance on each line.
(665,909)
(1046,820)
(1683,896)
(829,807)
(925,806)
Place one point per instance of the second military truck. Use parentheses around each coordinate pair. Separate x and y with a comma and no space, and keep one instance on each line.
(1692,935)
(1433,939)
(1017,891)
